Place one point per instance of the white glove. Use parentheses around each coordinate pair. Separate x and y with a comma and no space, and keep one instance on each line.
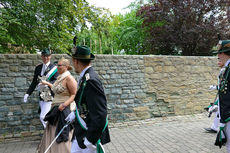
(89,145)
(212,87)
(70,117)
(221,125)
(25,98)
(213,108)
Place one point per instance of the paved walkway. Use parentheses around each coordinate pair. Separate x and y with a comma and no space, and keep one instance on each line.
(180,134)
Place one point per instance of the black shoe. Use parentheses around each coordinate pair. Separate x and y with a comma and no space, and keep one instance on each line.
(209,130)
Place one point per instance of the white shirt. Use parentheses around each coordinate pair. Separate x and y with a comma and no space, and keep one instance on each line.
(226,64)
(44,67)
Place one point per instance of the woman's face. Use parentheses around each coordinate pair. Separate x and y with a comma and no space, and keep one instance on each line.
(61,67)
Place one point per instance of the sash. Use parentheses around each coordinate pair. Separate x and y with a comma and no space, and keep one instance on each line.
(82,123)
(51,72)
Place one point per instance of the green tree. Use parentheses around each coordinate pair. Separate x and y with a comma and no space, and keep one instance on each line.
(122,35)
(35,24)
(118,34)
(128,34)
(96,33)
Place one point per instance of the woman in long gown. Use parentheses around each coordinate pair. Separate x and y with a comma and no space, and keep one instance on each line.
(64,88)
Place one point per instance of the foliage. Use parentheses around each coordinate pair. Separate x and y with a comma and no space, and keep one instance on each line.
(128,34)
(122,35)
(187,27)
(172,27)
(35,24)
(96,34)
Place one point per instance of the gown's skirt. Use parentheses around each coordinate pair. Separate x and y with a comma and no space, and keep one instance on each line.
(48,137)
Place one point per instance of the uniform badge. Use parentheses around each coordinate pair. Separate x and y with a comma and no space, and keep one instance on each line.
(87,77)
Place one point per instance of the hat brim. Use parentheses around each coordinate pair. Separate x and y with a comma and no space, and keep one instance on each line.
(46,54)
(221,51)
(215,52)
(92,57)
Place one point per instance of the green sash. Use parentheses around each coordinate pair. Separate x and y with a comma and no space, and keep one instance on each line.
(51,72)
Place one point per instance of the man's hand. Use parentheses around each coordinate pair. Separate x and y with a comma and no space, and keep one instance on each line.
(25,98)
(213,108)
(61,107)
(212,87)
(222,125)
(70,117)
(221,138)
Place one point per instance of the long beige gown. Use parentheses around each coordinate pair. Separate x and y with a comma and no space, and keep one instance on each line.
(61,95)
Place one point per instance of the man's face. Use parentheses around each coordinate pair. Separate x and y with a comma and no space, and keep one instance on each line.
(46,58)
(76,65)
(220,63)
(222,58)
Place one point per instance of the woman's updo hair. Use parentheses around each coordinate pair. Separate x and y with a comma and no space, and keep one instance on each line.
(66,62)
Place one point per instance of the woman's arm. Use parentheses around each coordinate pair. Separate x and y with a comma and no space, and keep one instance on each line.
(46,83)
(71,86)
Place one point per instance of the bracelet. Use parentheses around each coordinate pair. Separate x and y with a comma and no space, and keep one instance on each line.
(63,105)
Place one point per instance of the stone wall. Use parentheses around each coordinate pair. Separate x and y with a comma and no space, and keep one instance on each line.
(136,87)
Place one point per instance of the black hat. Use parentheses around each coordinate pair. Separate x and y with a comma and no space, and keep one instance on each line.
(223,46)
(46,51)
(82,52)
